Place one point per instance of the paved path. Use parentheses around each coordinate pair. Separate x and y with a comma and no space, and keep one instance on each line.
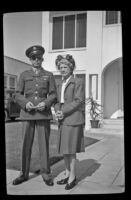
(100,170)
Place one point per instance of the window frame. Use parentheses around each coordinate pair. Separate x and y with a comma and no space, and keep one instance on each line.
(8,81)
(116,24)
(6,76)
(14,79)
(51,31)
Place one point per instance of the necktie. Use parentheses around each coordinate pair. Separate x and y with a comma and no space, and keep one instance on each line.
(36,71)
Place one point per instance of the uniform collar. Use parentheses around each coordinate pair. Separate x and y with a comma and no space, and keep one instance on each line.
(37,69)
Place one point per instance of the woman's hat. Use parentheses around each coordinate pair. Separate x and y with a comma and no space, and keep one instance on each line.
(67,60)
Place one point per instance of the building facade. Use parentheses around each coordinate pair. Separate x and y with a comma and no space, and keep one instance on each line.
(12,70)
(94,39)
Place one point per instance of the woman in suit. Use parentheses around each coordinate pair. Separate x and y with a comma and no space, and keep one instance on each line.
(69,112)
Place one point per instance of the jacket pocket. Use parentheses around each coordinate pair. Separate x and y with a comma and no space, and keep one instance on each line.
(28,83)
(43,82)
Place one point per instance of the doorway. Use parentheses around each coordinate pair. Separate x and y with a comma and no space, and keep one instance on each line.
(112,92)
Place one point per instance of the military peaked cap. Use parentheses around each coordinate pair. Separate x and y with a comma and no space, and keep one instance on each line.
(35,50)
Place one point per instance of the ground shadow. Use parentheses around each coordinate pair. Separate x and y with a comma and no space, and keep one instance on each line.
(58,170)
(54,173)
(86,168)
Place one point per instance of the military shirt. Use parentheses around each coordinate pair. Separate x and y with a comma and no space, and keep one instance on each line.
(36,88)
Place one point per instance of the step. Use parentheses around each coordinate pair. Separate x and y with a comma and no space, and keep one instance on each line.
(106,131)
(112,126)
(113,121)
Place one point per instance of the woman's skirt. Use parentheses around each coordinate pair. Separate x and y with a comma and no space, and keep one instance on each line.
(70,139)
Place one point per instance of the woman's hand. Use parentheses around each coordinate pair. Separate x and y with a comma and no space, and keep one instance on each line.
(59,115)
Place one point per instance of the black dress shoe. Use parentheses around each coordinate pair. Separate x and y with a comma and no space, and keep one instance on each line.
(70,185)
(48,182)
(63,181)
(19,180)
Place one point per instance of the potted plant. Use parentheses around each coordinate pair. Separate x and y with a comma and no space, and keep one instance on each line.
(95,111)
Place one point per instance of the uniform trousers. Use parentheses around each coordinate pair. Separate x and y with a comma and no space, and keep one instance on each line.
(43,130)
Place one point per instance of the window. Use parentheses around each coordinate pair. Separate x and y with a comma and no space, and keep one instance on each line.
(5,81)
(93,85)
(69,31)
(69,39)
(81,30)
(113,17)
(12,81)
(57,32)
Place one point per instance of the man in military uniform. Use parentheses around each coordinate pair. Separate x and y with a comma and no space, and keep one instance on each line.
(36,92)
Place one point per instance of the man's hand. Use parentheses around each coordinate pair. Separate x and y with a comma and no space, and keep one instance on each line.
(59,115)
(29,106)
(41,106)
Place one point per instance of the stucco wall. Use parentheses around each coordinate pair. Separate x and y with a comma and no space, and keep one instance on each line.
(21,30)
(112,43)
(15,67)
(88,58)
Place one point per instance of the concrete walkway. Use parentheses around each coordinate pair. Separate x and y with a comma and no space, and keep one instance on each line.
(100,170)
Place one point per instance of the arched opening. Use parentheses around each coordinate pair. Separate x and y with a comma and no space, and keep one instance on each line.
(112,89)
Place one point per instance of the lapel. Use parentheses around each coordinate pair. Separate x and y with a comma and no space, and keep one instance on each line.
(71,80)
(59,91)
(32,73)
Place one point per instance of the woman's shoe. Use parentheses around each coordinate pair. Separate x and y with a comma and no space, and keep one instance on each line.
(63,181)
(70,185)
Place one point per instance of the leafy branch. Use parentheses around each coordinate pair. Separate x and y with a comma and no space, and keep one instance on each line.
(95,109)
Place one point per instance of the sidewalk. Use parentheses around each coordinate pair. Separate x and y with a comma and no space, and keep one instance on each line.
(100,170)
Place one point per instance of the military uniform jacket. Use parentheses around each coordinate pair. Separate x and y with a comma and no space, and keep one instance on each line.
(36,88)
(73,107)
